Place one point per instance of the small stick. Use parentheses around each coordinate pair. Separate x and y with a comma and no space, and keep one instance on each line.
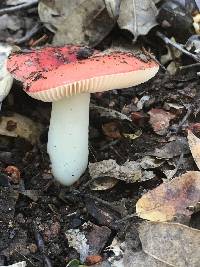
(152,57)
(13,9)
(189,66)
(130,216)
(177,46)
(178,127)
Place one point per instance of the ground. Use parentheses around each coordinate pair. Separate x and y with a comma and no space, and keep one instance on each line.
(37,212)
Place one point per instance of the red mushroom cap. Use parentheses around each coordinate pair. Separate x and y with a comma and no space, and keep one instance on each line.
(24,65)
(99,72)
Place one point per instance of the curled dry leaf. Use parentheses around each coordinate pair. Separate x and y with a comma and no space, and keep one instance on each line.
(171,199)
(171,243)
(20,126)
(129,172)
(159,120)
(194,144)
(103,183)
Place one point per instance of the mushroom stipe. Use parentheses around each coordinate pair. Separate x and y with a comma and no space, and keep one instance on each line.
(61,76)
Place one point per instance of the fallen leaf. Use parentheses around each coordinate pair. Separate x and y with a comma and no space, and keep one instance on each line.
(148,162)
(113,7)
(159,120)
(172,243)
(141,259)
(194,144)
(20,126)
(129,172)
(112,130)
(170,200)
(125,255)
(172,149)
(103,183)
(110,113)
(138,17)
(89,240)
(139,118)
(133,135)
(84,22)
(194,127)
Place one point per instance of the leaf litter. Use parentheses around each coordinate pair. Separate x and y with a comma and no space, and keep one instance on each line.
(138,162)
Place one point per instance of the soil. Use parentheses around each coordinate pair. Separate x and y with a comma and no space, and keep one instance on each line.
(37,212)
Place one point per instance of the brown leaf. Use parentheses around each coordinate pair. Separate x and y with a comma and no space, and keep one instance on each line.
(172,243)
(194,144)
(171,199)
(159,120)
(111,129)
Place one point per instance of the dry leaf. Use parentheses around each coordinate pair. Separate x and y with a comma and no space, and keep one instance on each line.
(103,183)
(194,144)
(172,199)
(110,113)
(112,130)
(129,172)
(137,16)
(159,120)
(20,126)
(172,149)
(77,22)
(172,243)
(141,259)
(113,8)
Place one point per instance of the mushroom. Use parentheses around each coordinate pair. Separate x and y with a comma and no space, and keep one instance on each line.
(68,85)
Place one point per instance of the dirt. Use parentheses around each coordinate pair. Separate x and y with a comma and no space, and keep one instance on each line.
(37,212)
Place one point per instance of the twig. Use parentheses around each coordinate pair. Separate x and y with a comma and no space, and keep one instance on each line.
(180,160)
(152,57)
(178,127)
(27,259)
(189,66)
(13,9)
(28,35)
(189,111)
(177,46)
(130,216)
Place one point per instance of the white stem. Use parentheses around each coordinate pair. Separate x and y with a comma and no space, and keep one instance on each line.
(68,138)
